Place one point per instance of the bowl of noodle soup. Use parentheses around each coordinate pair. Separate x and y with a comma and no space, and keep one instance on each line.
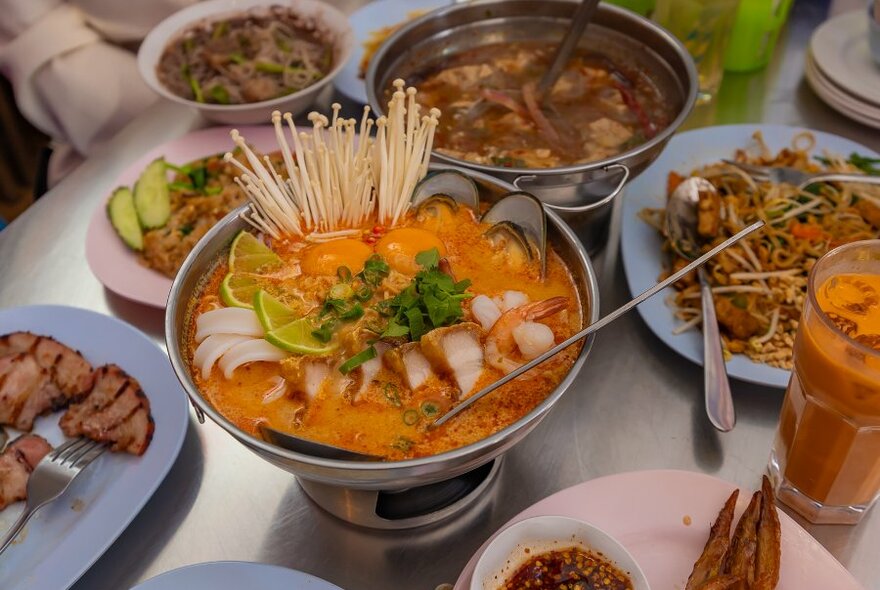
(236,61)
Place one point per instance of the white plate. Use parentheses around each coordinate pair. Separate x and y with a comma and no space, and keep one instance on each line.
(234,575)
(372,17)
(640,243)
(117,266)
(844,103)
(841,50)
(662,518)
(67,536)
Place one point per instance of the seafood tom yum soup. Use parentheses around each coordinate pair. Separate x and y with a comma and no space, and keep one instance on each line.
(370,298)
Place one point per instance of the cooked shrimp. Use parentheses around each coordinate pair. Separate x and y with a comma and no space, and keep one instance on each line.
(502,350)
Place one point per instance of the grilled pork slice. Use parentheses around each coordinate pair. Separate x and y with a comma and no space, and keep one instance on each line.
(115,411)
(409,362)
(456,351)
(26,391)
(67,367)
(16,465)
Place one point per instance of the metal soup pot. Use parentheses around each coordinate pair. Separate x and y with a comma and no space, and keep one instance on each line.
(379,475)
(582,194)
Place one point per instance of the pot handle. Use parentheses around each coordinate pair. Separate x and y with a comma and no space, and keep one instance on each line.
(624,176)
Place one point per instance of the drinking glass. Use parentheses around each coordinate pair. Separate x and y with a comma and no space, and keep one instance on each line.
(825,460)
(755,31)
(704,27)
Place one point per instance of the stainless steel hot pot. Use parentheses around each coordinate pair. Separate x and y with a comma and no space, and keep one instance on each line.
(381,475)
(582,194)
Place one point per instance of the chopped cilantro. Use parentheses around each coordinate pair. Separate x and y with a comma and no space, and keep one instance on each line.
(432,300)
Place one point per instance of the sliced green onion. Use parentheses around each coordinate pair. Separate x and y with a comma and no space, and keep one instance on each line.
(268,67)
(219,94)
(410,417)
(181,186)
(363,294)
(430,409)
(357,360)
(219,30)
(344,274)
(340,291)
(197,90)
(392,394)
(213,190)
(352,313)
(237,57)
(325,332)
(402,444)
(185,169)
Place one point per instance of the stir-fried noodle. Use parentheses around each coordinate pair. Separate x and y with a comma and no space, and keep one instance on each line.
(760,283)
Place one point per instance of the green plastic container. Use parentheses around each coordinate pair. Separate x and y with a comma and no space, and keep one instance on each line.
(643,7)
(757,27)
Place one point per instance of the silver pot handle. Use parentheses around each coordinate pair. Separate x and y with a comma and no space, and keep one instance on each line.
(590,206)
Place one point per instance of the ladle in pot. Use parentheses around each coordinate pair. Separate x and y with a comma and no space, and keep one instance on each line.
(595,326)
(310,447)
(582,16)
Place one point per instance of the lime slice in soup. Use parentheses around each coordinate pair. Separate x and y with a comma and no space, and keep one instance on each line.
(272,313)
(297,337)
(238,289)
(248,254)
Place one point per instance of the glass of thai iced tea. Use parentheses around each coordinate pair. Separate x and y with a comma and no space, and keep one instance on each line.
(825,460)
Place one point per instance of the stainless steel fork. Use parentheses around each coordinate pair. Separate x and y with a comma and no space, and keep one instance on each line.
(52,476)
(799,178)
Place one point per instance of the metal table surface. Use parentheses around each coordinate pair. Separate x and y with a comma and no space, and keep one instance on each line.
(636,405)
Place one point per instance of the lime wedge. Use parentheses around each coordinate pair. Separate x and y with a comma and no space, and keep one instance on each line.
(248,254)
(271,312)
(297,337)
(238,290)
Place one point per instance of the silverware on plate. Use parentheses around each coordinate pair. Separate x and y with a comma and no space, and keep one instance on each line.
(681,230)
(799,178)
(598,324)
(51,477)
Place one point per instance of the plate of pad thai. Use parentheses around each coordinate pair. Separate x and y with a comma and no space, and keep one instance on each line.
(759,285)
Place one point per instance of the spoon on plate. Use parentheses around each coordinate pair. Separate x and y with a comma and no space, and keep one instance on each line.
(595,326)
(310,447)
(681,230)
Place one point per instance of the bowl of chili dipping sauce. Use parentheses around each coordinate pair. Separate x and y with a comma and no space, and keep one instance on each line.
(554,552)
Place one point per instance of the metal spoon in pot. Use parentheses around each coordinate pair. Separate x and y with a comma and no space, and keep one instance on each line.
(596,325)
(681,230)
(582,16)
(310,447)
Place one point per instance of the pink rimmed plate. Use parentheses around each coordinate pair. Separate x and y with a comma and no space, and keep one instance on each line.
(112,262)
(648,513)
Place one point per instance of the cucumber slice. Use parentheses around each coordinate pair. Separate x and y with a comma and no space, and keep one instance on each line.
(124,218)
(151,198)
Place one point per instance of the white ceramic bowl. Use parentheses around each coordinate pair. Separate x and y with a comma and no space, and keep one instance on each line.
(256,112)
(507,552)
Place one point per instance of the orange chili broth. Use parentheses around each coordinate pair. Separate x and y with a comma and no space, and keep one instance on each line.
(373,424)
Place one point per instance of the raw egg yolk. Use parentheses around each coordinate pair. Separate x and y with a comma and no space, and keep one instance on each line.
(324,259)
(400,246)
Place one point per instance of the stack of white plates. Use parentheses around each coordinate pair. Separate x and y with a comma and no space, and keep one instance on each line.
(841,71)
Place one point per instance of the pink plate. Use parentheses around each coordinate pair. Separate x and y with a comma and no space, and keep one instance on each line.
(646,511)
(119,268)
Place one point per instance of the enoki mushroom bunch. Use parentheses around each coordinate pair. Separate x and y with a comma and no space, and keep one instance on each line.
(335,180)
